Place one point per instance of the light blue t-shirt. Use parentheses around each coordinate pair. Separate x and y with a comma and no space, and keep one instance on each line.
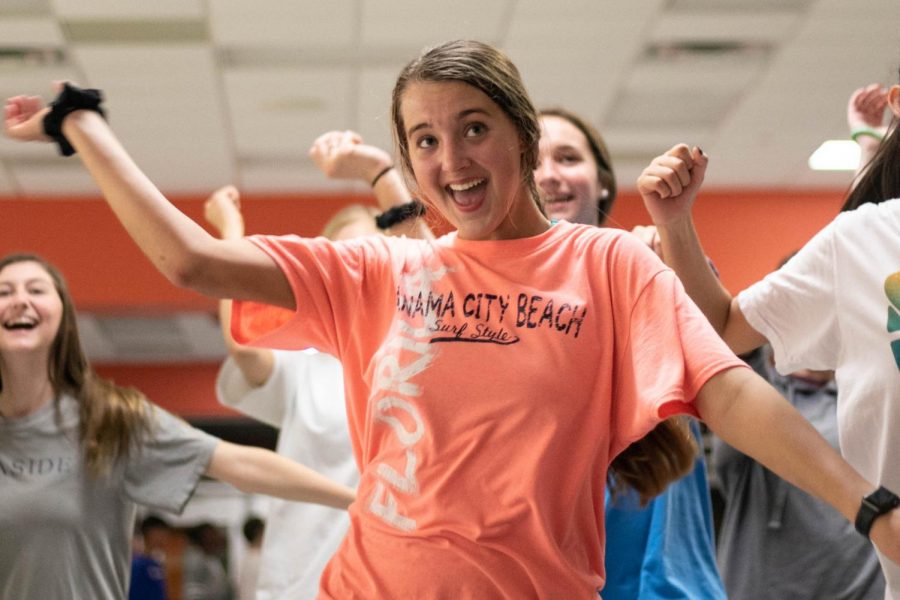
(665,549)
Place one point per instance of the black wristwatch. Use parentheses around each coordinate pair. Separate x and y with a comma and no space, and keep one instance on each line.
(879,502)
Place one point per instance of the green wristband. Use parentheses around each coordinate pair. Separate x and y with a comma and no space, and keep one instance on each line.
(867,131)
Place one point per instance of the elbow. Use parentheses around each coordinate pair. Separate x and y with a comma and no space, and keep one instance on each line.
(187,269)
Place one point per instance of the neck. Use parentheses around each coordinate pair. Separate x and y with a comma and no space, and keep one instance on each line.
(26,387)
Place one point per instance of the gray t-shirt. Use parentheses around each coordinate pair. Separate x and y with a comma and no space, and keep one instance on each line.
(777,541)
(66,535)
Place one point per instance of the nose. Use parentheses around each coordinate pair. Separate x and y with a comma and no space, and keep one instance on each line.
(546,175)
(455,157)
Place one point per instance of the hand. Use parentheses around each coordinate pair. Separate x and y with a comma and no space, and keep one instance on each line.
(866,107)
(669,185)
(23,119)
(222,210)
(650,236)
(343,155)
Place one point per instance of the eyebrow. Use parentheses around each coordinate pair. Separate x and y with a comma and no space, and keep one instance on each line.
(462,114)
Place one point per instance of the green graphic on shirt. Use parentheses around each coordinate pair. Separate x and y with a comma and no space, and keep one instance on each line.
(892,291)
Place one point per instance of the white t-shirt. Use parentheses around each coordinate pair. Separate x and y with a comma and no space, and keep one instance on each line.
(304,398)
(836,305)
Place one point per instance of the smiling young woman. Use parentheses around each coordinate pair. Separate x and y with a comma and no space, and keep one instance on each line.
(491,375)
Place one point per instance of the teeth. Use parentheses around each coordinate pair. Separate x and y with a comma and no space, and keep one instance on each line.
(461,187)
(19,323)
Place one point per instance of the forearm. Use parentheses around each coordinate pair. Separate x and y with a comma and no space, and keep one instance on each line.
(391,191)
(256,364)
(683,253)
(255,470)
(750,415)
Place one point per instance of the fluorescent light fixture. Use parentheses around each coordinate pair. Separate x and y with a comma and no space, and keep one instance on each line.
(835,155)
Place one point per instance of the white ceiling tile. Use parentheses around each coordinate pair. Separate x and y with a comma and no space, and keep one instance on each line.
(128,9)
(25,8)
(32,32)
(284,110)
(746,27)
(374,122)
(576,11)
(405,23)
(166,106)
(283,23)
(34,80)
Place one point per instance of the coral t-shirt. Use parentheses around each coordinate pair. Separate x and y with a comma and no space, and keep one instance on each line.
(489,385)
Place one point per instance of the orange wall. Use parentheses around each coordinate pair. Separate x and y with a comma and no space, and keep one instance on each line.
(745,233)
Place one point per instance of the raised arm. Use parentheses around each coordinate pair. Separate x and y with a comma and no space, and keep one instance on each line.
(344,155)
(222,210)
(182,250)
(260,471)
(865,118)
(750,415)
(669,187)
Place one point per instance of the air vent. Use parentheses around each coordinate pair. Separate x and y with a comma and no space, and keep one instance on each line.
(163,32)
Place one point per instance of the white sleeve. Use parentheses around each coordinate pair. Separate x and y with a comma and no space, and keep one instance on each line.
(269,402)
(795,308)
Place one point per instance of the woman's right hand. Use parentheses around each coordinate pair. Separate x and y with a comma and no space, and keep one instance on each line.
(670,183)
(23,119)
(344,155)
(222,210)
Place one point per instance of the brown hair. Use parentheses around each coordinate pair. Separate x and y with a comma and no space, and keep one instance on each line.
(650,464)
(112,419)
(599,151)
(880,180)
(487,69)
(347,216)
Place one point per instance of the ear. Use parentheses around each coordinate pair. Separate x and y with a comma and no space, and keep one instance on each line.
(894,100)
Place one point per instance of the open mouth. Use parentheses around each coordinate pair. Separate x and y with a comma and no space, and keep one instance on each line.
(23,323)
(469,195)
(559,199)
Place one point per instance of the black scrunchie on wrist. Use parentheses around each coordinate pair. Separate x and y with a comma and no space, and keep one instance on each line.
(399,213)
(70,99)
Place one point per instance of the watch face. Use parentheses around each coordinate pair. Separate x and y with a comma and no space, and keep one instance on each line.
(883,499)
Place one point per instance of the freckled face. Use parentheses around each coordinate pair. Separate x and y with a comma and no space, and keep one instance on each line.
(567,173)
(466,157)
(30,308)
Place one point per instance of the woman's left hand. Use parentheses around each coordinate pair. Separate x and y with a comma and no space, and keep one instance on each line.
(23,118)
(885,534)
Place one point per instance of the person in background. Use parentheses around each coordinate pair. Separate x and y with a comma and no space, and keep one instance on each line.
(78,452)
(835,306)
(148,576)
(659,544)
(203,565)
